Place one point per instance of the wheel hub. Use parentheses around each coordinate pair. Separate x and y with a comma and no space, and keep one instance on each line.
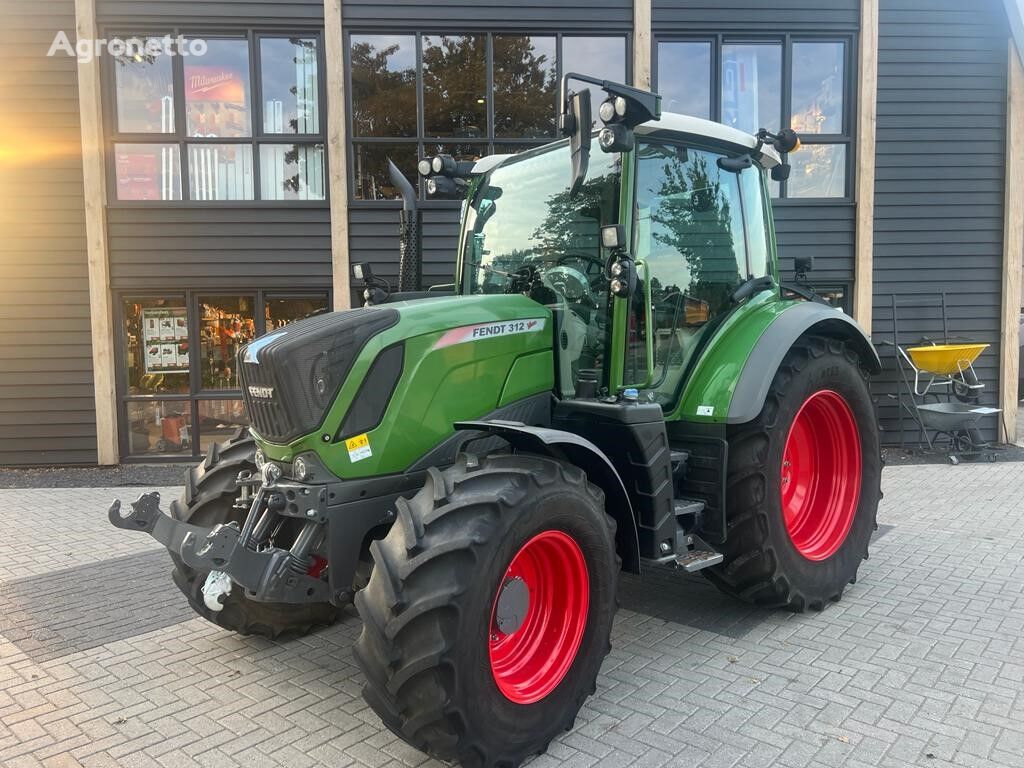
(821,475)
(513,603)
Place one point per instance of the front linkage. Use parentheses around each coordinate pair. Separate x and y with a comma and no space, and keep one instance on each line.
(331,521)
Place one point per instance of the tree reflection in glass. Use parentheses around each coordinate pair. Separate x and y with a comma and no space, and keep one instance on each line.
(455,85)
(383,85)
(525,86)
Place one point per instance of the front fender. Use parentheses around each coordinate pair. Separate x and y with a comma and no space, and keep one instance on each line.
(730,381)
(567,446)
(778,338)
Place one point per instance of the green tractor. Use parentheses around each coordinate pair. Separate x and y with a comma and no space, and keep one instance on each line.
(617,379)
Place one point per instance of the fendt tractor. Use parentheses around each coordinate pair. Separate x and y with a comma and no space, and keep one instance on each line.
(616,380)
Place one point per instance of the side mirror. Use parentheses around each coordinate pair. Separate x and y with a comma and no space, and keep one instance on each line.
(575,123)
(803,264)
(781,172)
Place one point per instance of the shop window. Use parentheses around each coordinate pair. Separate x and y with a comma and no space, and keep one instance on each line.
(288,309)
(370,169)
(752,86)
(290,85)
(819,170)
(156,345)
(525,86)
(161,427)
(684,77)
(220,132)
(455,85)
(145,91)
(383,72)
(292,172)
(466,105)
(219,420)
(178,383)
(600,57)
(147,171)
(217,90)
(741,83)
(226,323)
(220,172)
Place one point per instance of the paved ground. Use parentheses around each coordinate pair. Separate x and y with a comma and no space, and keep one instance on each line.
(922,663)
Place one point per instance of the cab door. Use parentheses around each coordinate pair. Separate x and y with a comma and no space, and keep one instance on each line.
(698,233)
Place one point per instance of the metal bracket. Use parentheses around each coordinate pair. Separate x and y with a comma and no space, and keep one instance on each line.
(264,575)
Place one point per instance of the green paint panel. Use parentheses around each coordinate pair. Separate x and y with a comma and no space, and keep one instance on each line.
(711,384)
(451,374)
(526,374)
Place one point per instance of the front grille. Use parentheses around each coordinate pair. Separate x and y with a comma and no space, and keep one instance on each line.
(291,376)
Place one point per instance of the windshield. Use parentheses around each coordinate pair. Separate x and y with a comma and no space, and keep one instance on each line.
(522,221)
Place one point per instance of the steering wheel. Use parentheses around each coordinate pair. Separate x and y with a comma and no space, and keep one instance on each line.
(595,284)
(570,283)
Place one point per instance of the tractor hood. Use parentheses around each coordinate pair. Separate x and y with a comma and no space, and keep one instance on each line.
(371,391)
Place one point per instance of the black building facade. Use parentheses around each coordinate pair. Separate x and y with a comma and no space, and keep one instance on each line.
(226,192)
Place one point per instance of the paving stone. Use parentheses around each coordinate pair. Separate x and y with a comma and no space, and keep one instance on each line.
(103,664)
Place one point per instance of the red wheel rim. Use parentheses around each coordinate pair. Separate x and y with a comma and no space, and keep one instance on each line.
(530,661)
(821,475)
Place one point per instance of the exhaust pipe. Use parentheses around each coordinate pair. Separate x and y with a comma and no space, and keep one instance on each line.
(410,258)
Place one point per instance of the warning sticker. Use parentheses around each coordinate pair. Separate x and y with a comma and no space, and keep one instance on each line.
(358,448)
(483,331)
(705,410)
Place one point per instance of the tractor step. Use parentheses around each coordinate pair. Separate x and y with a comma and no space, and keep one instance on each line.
(698,559)
(698,555)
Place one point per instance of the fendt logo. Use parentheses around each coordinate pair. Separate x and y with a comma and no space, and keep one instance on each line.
(264,393)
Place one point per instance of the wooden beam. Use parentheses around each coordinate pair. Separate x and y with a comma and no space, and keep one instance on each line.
(1013,246)
(97,252)
(642,44)
(337,151)
(867,119)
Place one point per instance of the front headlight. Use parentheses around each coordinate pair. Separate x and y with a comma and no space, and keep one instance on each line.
(301,471)
(261,459)
(271,473)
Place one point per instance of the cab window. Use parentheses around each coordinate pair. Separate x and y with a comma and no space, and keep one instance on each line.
(689,230)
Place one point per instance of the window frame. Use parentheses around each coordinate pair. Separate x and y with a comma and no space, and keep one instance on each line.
(845,139)
(181,140)
(195,392)
(486,143)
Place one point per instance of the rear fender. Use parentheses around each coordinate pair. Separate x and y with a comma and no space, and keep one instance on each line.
(566,446)
(801,319)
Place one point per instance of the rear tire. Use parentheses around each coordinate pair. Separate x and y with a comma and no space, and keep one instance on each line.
(799,549)
(439,671)
(210,492)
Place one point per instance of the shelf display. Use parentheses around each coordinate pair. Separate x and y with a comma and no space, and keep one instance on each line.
(226,323)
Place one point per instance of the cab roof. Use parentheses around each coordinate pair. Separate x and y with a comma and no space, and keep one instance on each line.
(674,125)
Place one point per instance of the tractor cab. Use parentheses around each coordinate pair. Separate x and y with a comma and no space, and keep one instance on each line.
(639,260)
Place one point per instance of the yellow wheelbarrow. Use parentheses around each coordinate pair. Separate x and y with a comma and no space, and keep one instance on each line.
(945,365)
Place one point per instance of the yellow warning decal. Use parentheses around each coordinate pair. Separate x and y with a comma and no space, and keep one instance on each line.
(358,448)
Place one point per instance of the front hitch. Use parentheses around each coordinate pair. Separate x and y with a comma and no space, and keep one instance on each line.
(267,575)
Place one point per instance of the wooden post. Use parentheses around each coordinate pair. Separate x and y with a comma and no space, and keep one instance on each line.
(337,151)
(642,44)
(97,252)
(867,119)
(1013,246)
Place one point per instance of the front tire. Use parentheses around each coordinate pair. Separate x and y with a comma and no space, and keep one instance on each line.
(489,609)
(804,482)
